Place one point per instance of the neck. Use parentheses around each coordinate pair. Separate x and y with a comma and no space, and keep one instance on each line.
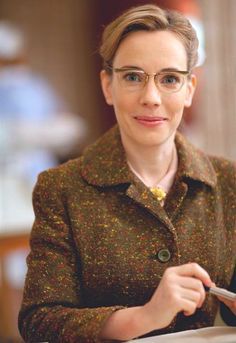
(151,163)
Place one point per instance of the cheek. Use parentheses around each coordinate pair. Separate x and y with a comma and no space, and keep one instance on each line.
(123,103)
(175,105)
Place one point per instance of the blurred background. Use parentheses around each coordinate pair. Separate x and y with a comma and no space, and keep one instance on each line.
(51,105)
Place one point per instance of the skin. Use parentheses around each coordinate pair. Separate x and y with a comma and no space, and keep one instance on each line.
(180,290)
(149,148)
(149,102)
(230,304)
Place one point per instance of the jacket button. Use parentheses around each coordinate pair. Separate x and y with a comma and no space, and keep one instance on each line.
(163,255)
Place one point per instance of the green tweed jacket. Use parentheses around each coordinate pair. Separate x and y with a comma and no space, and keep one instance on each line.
(101,241)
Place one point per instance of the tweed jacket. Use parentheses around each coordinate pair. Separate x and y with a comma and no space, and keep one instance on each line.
(98,232)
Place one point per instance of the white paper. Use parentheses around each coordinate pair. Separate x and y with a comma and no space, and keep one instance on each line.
(218,334)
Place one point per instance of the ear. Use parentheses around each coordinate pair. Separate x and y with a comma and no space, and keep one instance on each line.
(191,86)
(106,80)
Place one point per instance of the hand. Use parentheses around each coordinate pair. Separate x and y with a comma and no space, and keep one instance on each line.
(229,303)
(181,289)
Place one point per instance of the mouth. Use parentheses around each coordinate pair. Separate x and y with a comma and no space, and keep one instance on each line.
(150,120)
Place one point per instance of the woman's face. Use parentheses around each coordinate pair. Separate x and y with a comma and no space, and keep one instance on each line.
(148,116)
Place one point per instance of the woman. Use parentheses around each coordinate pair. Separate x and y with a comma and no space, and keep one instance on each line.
(127,236)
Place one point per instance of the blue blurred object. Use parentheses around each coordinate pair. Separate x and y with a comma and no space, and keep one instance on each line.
(24,94)
(35,128)
(25,98)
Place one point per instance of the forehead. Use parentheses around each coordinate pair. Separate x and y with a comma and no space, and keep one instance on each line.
(151,51)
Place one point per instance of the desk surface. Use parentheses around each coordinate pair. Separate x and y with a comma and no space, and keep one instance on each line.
(218,334)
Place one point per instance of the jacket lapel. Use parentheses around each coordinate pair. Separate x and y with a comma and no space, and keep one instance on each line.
(194,167)
(193,164)
(104,162)
(144,197)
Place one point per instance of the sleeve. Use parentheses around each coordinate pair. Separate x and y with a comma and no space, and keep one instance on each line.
(52,307)
(226,314)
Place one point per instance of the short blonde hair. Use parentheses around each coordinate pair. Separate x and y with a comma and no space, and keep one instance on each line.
(148,18)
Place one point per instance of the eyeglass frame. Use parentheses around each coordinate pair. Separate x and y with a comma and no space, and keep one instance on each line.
(148,75)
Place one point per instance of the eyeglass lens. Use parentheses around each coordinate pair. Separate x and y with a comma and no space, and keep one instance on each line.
(167,82)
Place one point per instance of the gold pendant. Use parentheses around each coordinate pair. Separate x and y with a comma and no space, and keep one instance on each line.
(159,193)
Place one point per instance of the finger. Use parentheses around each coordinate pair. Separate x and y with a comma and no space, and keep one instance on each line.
(193,296)
(193,269)
(233,308)
(188,307)
(229,303)
(188,285)
(191,283)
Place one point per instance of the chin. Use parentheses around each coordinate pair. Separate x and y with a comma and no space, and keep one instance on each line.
(150,142)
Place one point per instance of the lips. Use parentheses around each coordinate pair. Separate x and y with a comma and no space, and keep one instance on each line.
(150,121)
(150,118)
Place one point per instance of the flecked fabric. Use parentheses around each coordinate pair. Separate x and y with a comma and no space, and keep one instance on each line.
(97,232)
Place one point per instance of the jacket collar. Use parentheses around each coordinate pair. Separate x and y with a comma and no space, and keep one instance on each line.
(104,162)
(193,163)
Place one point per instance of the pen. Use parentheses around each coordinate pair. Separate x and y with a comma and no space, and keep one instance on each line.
(221,292)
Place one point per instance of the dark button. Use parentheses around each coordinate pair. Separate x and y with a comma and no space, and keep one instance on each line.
(163,255)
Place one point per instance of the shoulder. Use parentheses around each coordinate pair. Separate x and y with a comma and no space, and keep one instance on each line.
(198,165)
(225,171)
(223,167)
(64,176)
(83,169)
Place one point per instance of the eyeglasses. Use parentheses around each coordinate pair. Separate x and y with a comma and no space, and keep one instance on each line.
(167,81)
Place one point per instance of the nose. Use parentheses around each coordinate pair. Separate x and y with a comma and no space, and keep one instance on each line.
(150,95)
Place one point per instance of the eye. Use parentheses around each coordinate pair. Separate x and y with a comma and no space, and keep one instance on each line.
(170,79)
(133,77)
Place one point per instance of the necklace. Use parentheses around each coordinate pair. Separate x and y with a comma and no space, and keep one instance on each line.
(159,193)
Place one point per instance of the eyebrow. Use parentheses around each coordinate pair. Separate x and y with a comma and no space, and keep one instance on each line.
(131,67)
